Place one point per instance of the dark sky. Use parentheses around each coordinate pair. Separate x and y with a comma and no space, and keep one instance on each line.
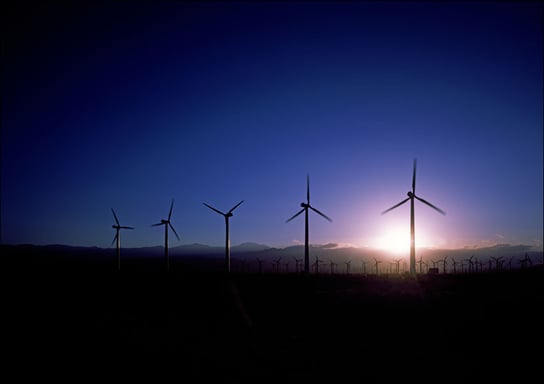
(130,105)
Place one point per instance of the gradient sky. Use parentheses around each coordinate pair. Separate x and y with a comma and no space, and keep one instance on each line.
(127,106)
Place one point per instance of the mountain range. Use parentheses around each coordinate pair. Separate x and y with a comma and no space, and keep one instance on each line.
(246,256)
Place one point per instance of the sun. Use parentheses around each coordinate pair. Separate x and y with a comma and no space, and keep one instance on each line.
(395,240)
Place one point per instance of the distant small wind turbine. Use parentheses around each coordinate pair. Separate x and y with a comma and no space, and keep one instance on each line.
(470,264)
(397,264)
(117,237)
(167,223)
(348,266)
(412,196)
(420,262)
(363,268)
(260,265)
(227,238)
(332,265)
(298,264)
(286,266)
(454,262)
(316,264)
(444,262)
(305,207)
(376,262)
(276,265)
(498,262)
(525,261)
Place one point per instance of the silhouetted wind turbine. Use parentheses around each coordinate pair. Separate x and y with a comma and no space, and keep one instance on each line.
(376,262)
(304,209)
(363,268)
(470,263)
(227,238)
(420,264)
(348,265)
(412,196)
(117,237)
(316,264)
(298,263)
(167,223)
(260,265)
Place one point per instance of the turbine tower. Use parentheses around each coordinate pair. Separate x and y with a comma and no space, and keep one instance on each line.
(167,223)
(117,237)
(305,207)
(412,196)
(227,238)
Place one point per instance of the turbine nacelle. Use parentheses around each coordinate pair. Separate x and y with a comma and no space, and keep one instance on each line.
(410,194)
(305,205)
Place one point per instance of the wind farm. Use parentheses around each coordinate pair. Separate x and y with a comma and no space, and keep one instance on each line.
(205,323)
(215,143)
(221,312)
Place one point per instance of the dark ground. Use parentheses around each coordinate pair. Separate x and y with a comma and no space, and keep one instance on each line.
(196,327)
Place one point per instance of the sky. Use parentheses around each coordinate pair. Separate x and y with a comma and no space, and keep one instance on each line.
(130,105)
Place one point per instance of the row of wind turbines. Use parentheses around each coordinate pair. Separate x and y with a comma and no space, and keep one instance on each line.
(306,207)
(168,224)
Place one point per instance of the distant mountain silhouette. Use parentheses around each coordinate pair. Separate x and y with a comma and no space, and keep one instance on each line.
(245,256)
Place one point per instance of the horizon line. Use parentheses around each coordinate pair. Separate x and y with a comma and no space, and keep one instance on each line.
(329,245)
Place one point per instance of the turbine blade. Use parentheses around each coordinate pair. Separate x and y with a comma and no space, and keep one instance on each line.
(156,225)
(170,212)
(295,215)
(114,238)
(175,233)
(236,206)
(213,209)
(308,188)
(395,206)
(414,177)
(430,205)
(115,216)
(126,227)
(321,213)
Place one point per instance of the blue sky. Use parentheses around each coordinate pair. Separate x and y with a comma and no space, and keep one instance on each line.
(128,106)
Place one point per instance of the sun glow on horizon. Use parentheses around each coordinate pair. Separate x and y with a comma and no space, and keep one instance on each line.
(395,239)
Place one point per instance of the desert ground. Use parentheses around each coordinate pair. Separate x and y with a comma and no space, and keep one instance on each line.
(187,325)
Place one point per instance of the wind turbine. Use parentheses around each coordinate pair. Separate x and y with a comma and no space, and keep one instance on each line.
(305,207)
(363,269)
(298,263)
(348,265)
(260,265)
(117,237)
(376,262)
(227,238)
(412,197)
(316,264)
(167,223)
